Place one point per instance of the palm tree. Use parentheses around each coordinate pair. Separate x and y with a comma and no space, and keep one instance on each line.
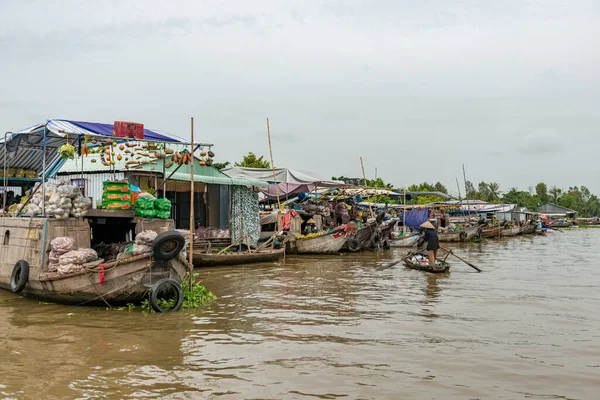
(554,193)
(492,191)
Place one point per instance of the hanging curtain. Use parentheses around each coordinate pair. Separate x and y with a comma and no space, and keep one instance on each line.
(245,219)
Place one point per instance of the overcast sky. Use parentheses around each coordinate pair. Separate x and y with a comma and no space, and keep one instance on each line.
(510,88)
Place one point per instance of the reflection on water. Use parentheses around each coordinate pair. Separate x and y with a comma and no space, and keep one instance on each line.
(333,327)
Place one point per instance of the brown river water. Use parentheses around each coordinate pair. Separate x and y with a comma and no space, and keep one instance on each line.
(334,327)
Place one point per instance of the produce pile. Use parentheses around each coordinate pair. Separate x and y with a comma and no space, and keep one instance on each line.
(61,201)
(146,206)
(143,242)
(309,236)
(64,259)
(21,173)
(116,195)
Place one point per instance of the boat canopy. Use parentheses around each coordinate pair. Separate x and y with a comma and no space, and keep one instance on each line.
(282,175)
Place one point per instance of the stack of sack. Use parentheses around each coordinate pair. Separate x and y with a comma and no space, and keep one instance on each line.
(65,260)
(143,242)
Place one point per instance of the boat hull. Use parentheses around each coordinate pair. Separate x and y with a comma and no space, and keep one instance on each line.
(527,229)
(492,232)
(514,231)
(408,241)
(321,245)
(444,267)
(214,260)
(460,236)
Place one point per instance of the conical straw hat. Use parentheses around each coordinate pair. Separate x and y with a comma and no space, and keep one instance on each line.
(427,225)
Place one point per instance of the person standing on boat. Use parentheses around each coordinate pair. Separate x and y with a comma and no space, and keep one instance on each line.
(429,235)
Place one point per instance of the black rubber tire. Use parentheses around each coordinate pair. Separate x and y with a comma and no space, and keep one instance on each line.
(375,239)
(380,217)
(386,244)
(353,245)
(19,276)
(462,236)
(156,290)
(174,243)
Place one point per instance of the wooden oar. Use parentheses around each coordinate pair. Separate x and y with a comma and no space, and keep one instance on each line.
(461,259)
(390,265)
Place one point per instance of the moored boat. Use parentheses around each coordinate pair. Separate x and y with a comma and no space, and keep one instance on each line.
(324,244)
(463,235)
(528,229)
(236,258)
(24,264)
(511,231)
(405,241)
(492,232)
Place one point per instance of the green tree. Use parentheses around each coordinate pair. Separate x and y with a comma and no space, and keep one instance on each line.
(554,194)
(251,161)
(470,192)
(542,192)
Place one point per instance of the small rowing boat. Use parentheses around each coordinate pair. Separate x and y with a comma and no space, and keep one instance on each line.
(420,262)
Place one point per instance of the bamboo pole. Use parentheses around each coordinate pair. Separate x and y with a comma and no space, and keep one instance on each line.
(466,192)
(274,176)
(404,218)
(366,186)
(192,193)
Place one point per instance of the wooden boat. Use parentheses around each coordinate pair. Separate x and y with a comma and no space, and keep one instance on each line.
(364,238)
(513,231)
(492,232)
(328,243)
(460,236)
(408,241)
(413,261)
(24,257)
(528,229)
(236,258)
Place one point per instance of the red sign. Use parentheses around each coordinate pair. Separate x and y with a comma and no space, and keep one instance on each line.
(129,130)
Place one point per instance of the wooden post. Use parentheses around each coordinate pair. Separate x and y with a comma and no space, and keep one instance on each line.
(192,193)
(274,177)
(366,186)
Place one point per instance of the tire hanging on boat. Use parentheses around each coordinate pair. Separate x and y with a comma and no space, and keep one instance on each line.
(375,239)
(19,276)
(386,244)
(353,245)
(463,236)
(155,292)
(167,245)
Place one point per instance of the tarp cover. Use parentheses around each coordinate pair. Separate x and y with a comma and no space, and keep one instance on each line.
(282,175)
(414,218)
(285,190)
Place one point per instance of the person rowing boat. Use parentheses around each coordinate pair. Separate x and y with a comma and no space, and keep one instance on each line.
(429,235)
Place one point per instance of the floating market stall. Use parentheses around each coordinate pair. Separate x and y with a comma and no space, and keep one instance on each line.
(58,249)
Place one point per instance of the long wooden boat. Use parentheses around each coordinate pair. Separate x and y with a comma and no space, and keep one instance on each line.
(412,262)
(407,241)
(514,231)
(460,236)
(236,258)
(363,240)
(527,229)
(492,232)
(24,257)
(325,244)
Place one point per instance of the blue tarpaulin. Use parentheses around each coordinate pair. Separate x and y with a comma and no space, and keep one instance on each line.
(414,218)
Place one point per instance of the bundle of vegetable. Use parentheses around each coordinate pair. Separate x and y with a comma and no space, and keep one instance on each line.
(66,151)
(163,208)
(144,207)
